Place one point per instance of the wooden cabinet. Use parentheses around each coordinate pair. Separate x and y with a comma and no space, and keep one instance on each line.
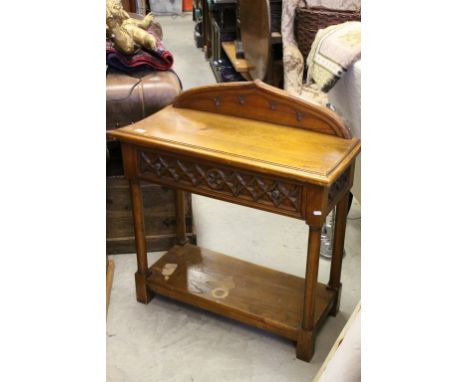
(159,211)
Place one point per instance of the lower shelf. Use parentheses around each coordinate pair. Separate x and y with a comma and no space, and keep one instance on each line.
(246,292)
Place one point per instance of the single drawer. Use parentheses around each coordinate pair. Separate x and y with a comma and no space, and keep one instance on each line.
(221,182)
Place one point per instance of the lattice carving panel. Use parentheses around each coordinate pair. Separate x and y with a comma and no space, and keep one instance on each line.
(230,183)
(337,187)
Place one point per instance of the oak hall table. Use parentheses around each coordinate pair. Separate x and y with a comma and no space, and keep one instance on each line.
(250,144)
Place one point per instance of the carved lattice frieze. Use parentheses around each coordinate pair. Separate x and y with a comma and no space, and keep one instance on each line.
(337,187)
(230,182)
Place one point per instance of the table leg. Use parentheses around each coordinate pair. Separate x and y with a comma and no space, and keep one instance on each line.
(181,230)
(337,252)
(143,294)
(306,336)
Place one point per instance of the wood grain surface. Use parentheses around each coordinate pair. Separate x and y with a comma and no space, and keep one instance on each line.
(261,146)
(159,211)
(225,183)
(254,126)
(240,64)
(255,23)
(253,145)
(262,102)
(252,294)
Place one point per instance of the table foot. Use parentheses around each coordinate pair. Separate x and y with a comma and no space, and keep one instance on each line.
(305,345)
(143,294)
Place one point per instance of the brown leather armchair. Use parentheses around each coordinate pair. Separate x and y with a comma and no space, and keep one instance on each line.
(132,97)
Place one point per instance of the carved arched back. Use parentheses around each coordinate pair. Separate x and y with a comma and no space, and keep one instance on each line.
(262,102)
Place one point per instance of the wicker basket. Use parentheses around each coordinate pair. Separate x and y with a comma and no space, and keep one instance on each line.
(309,20)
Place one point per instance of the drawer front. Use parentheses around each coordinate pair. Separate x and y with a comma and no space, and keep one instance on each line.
(221,182)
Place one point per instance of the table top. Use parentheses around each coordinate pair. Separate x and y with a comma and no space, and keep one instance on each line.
(289,151)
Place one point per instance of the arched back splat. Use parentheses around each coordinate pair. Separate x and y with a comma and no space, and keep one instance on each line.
(262,102)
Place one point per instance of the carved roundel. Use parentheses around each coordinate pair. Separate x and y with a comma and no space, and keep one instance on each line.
(282,195)
(215,178)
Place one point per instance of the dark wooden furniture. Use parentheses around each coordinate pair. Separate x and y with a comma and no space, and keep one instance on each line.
(250,144)
(130,98)
(160,217)
(258,32)
(159,211)
(227,24)
(220,26)
(261,40)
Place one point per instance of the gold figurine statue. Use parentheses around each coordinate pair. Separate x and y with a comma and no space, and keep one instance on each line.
(125,31)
